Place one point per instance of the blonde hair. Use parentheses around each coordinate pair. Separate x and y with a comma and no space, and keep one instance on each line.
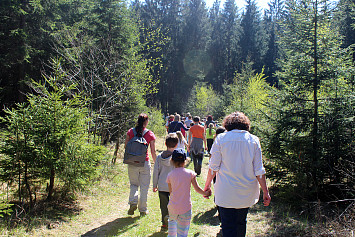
(179,134)
(177,117)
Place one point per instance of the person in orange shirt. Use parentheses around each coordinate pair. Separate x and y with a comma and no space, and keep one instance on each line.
(197,138)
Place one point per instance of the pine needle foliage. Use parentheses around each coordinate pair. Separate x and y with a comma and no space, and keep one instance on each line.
(46,142)
(313,123)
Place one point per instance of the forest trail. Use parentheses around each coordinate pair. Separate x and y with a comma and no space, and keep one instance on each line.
(103,212)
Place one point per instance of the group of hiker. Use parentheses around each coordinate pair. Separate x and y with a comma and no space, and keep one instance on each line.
(235,167)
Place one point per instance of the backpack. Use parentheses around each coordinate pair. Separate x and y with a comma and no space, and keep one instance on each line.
(136,150)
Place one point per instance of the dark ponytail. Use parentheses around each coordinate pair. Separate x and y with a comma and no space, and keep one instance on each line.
(142,118)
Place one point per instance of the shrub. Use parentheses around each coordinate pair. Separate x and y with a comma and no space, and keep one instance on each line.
(47,140)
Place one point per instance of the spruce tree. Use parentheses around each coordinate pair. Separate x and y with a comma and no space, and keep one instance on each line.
(315,72)
(271,20)
(253,39)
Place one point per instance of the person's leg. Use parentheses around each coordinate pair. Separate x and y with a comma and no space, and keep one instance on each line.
(229,228)
(172,226)
(194,159)
(199,159)
(242,221)
(144,181)
(209,144)
(133,175)
(183,224)
(164,200)
(134,183)
(233,221)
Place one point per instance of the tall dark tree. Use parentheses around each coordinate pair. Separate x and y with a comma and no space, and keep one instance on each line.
(253,40)
(215,48)
(223,47)
(345,19)
(271,22)
(196,62)
(314,73)
(231,31)
(163,19)
(24,46)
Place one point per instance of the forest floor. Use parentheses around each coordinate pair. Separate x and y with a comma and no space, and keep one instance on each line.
(102,211)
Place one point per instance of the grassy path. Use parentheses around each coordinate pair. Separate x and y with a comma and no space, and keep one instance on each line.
(103,212)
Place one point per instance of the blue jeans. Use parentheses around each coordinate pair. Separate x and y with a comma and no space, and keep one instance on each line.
(234,221)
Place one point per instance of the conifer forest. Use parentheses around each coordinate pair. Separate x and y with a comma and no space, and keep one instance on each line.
(75,74)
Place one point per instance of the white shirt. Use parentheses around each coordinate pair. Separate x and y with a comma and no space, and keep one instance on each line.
(236,156)
(188,122)
(181,144)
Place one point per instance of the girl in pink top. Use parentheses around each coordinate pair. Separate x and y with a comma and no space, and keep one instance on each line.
(179,181)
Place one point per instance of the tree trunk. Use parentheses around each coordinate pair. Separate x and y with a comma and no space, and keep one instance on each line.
(51,185)
(315,100)
(28,187)
(19,88)
(114,158)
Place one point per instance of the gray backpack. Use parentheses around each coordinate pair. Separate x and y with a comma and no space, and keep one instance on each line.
(136,150)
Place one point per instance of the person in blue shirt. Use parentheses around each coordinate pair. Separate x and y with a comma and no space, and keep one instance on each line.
(176,125)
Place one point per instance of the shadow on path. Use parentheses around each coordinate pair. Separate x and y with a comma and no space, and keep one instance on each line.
(159,234)
(208,217)
(113,228)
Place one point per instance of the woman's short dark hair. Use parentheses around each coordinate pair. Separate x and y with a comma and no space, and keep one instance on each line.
(236,120)
(209,118)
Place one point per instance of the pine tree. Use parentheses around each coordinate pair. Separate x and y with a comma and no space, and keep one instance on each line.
(25,44)
(315,71)
(215,47)
(253,40)
(271,21)
(345,20)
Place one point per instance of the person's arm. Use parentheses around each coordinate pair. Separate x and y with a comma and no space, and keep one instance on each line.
(156,172)
(211,174)
(152,149)
(183,126)
(170,189)
(214,165)
(266,196)
(204,139)
(190,138)
(198,189)
(126,141)
(185,142)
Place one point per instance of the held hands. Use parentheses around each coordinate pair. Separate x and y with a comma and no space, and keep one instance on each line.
(207,193)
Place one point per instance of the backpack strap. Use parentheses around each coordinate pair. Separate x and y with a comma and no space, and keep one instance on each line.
(135,132)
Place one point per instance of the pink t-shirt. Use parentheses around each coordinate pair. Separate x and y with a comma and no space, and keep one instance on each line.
(149,136)
(180,198)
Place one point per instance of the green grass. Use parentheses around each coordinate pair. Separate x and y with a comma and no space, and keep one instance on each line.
(102,211)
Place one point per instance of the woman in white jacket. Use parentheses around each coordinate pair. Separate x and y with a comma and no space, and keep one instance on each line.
(236,159)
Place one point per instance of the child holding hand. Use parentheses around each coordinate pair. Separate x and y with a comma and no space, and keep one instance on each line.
(179,181)
(162,168)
